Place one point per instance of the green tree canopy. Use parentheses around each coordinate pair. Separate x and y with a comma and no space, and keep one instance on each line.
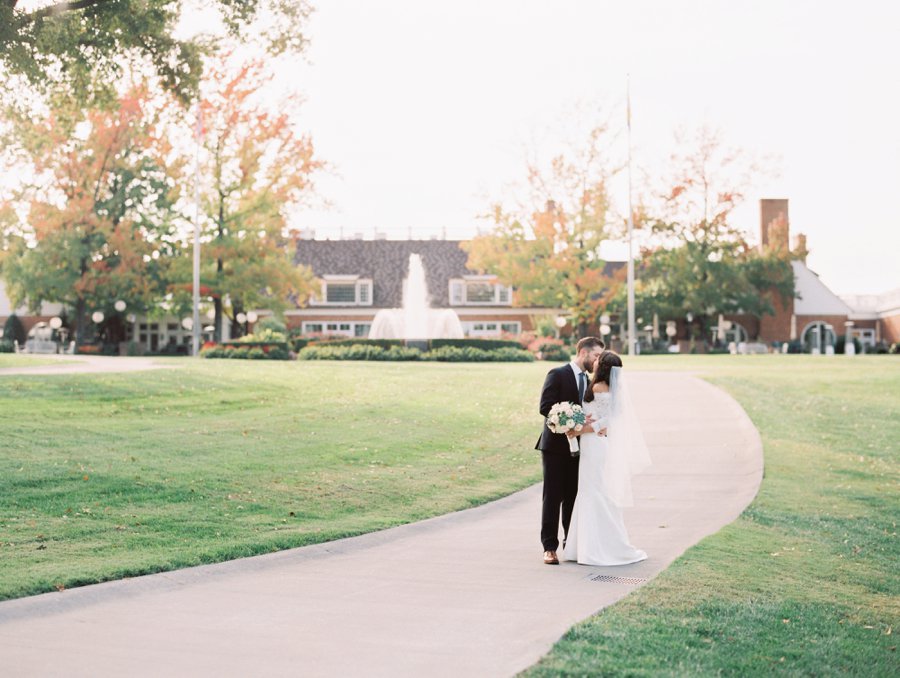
(94,221)
(702,264)
(86,44)
(254,167)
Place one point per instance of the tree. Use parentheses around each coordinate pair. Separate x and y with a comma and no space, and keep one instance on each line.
(255,168)
(95,217)
(84,44)
(549,249)
(702,264)
(14,330)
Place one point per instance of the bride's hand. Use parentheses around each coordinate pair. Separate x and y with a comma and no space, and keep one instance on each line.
(602,432)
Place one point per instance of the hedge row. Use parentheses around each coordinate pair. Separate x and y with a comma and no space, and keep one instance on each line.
(483,344)
(247,353)
(442,354)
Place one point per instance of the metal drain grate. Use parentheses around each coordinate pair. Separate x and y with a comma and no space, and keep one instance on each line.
(609,579)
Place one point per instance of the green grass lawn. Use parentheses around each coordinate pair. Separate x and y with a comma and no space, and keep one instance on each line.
(805,582)
(105,476)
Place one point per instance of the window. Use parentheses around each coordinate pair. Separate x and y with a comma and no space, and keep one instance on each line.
(364,295)
(457,293)
(488,329)
(511,328)
(342,329)
(479,293)
(866,336)
(344,290)
(479,290)
(337,293)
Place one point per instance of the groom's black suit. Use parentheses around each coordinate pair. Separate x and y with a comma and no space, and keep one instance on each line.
(560,467)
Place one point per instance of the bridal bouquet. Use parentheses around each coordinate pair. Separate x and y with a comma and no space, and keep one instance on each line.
(565,417)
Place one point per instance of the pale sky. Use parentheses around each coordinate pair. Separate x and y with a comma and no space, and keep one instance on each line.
(425,109)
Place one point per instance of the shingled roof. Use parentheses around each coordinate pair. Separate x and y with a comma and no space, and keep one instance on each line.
(386,262)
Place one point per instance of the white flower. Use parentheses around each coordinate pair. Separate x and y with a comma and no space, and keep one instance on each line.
(570,424)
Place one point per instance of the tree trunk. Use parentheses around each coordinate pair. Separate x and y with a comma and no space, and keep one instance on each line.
(80,321)
(217,302)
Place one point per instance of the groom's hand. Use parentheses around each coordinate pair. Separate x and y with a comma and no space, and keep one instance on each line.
(602,432)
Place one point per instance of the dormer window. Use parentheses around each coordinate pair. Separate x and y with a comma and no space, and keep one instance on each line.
(344,290)
(340,293)
(479,290)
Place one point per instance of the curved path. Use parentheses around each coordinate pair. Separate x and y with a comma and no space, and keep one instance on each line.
(462,594)
(82,364)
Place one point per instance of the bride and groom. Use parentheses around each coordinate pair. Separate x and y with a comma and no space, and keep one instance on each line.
(590,487)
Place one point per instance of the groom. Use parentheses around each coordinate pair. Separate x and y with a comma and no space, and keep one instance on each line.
(564,383)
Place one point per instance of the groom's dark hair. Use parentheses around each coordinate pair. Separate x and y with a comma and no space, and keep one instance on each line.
(589,343)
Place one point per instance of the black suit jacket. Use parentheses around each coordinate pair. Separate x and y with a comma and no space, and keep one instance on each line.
(559,386)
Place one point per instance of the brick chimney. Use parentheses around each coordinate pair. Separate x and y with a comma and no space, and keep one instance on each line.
(774,224)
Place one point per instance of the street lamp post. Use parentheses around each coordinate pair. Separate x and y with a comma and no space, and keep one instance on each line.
(632,333)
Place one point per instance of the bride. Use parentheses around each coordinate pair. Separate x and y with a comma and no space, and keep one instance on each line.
(597,533)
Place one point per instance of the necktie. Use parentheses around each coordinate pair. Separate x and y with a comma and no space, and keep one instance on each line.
(581,386)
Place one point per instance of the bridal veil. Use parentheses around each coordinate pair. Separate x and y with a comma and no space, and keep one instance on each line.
(627,453)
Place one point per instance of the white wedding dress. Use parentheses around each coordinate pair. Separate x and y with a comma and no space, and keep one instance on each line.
(597,533)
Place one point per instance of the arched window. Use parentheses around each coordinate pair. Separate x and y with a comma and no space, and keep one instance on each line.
(817,337)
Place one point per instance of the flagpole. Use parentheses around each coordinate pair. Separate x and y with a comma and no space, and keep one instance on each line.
(632,334)
(196,286)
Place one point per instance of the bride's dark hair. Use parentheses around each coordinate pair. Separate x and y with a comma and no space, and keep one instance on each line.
(607,361)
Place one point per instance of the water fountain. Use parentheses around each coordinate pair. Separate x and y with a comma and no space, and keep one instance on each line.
(416,320)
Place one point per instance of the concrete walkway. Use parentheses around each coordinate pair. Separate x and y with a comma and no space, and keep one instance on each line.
(82,364)
(460,595)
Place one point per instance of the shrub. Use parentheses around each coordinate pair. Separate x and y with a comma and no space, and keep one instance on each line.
(508,354)
(250,341)
(483,344)
(256,354)
(237,353)
(880,347)
(795,346)
(213,352)
(270,323)
(402,353)
(6,346)
(278,353)
(555,352)
(263,336)
(471,354)
(357,352)
(895,348)
(14,330)
(443,354)
(841,340)
(358,341)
